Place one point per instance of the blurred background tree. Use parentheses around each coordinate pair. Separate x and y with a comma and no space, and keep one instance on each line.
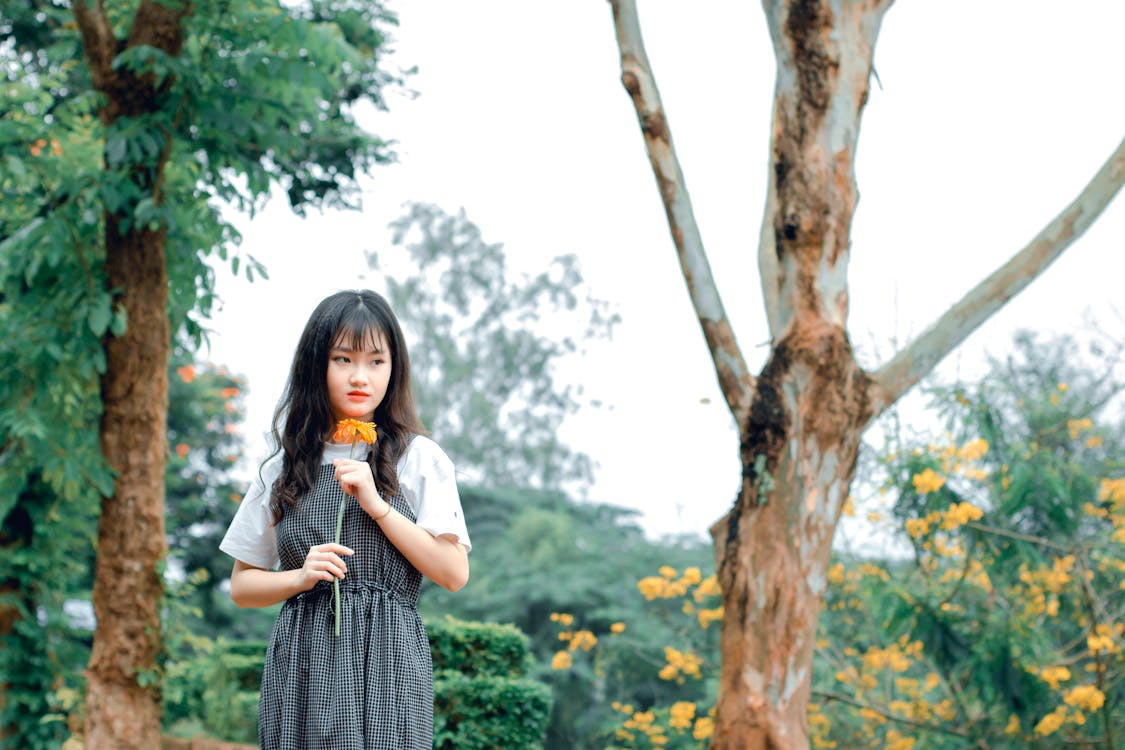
(485,347)
(129,126)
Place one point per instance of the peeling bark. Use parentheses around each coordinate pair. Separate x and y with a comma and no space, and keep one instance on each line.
(123,680)
(799,450)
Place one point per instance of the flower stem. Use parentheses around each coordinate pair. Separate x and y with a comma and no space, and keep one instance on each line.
(339,529)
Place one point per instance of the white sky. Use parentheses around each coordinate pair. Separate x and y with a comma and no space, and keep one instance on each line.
(988,118)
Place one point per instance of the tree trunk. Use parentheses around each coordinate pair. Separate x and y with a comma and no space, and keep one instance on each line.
(810,404)
(123,678)
(801,420)
(123,697)
(799,449)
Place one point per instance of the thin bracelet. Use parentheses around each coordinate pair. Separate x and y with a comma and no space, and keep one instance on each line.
(385,514)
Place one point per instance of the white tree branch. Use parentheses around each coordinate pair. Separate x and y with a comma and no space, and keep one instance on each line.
(932,345)
(636,75)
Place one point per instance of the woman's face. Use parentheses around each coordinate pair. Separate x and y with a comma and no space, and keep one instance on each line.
(358,378)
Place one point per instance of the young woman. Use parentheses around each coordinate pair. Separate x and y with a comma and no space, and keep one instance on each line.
(371,686)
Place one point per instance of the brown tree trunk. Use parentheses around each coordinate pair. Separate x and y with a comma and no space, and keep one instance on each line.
(123,696)
(123,678)
(799,451)
(810,403)
(801,420)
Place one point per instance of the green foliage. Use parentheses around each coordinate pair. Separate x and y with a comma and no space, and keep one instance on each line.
(46,549)
(1000,626)
(214,129)
(213,685)
(202,488)
(478,648)
(481,698)
(482,361)
(485,712)
(538,554)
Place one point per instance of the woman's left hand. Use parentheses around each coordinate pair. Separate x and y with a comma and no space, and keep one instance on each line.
(356,479)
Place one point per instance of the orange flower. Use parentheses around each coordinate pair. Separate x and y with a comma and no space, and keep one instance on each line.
(182,449)
(229,392)
(348,431)
(353,431)
(186,373)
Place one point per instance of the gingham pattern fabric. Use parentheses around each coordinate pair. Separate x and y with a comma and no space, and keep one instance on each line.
(370,688)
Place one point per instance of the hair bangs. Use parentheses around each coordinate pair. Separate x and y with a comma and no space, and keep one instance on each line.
(361,329)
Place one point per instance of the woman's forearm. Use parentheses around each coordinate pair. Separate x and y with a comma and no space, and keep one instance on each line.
(256,587)
(441,559)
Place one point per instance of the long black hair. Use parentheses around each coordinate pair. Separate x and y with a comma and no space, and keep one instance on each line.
(304,416)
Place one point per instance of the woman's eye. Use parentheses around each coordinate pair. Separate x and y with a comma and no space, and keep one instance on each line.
(342,360)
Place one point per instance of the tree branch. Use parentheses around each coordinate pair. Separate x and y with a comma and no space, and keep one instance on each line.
(922,355)
(160,25)
(97,39)
(888,715)
(636,75)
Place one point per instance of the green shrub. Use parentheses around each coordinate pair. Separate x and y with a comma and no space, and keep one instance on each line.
(486,712)
(481,698)
(477,648)
(216,682)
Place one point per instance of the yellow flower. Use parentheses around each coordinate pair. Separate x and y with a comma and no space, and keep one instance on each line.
(681,715)
(1112,491)
(704,728)
(353,431)
(974,449)
(617,628)
(1050,723)
(960,514)
(928,481)
(583,639)
(1085,697)
(896,741)
(1077,426)
(1054,675)
(680,661)
(708,616)
(652,587)
(562,660)
(1013,725)
(1097,643)
(667,571)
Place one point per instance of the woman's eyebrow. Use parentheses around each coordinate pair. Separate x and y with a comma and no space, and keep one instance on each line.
(349,350)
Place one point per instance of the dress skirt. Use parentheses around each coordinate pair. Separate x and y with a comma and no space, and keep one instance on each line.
(371,687)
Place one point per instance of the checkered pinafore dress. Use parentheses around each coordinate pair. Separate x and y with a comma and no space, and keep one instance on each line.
(371,688)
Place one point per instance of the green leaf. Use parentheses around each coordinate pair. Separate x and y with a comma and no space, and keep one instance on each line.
(100,315)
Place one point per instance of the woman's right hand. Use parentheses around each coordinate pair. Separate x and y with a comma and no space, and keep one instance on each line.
(324,563)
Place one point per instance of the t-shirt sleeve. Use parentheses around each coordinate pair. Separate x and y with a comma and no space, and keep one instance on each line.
(251,536)
(429,482)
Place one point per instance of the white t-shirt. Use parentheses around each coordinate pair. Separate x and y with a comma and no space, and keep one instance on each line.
(425,476)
